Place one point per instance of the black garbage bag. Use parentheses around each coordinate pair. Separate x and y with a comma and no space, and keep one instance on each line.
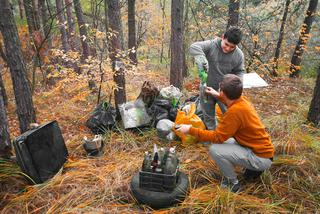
(103,118)
(173,113)
(159,110)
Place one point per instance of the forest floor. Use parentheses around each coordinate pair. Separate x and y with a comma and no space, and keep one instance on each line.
(102,185)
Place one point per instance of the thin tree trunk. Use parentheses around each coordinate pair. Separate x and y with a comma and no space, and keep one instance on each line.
(185,46)
(314,110)
(36,14)
(23,97)
(132,43)
(234,10)
(303,39)
(162,5)
(2,54)
(115,47)
(3,90)
(71,29)
(82,29)
(106,19)
(21,12)
(5,145)
(45,21)
(31,16)
(278,48)
(106,23)
(61,19)
(176,43)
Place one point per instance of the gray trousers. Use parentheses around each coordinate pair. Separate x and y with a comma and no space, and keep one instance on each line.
(230,153)
(208,107)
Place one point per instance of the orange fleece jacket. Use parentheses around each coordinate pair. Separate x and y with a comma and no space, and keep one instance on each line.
(242,122)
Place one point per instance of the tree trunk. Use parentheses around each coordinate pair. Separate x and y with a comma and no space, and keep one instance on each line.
(132,43)
(314,110)
(36,14)
(71,29)
(5,145)
(23,97)
(82,29)
(33,23)
(162,6)
(176,43)
(185,72)
(115,47)
(106,19)
(278,48)
(234,10)
(63,32)
(3,90)
(45,21)
(2,54)
(303,39)
(20,3)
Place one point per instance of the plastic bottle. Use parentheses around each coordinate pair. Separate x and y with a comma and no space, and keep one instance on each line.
(154,162)
(203,75)
(171,162)
(146,164)
(161,157)
(173,155)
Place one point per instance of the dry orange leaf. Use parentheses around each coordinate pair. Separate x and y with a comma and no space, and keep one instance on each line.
(188,161)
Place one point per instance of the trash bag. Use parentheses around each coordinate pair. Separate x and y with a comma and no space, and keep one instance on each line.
(172,94)
(159,110)
(164,127)
(196,100)
(148,93)
(134,114)
(188,118)
(103,118)
(173,113)
(172,136)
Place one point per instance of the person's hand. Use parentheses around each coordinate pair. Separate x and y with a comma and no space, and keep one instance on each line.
(202,63)
(184,128)
(211,91)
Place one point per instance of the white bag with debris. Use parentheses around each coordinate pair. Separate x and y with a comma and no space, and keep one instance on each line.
(171,93)
(134,114)
(164,129)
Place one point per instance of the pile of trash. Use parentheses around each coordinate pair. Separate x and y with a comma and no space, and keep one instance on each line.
(152,108)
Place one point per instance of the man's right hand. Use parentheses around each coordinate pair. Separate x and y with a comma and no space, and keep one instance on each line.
(212,92)
(202,63)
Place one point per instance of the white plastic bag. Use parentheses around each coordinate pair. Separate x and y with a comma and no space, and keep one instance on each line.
(171,93)
(134,114)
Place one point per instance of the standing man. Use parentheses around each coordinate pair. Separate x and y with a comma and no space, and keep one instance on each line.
(218,57)
(240,137)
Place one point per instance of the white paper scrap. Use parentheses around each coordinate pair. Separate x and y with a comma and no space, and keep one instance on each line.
(253,80)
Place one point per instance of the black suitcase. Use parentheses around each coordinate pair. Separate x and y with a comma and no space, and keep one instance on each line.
(41,152)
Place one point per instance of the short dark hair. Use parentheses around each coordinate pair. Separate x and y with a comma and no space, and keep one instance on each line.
(232,86)
(233,35)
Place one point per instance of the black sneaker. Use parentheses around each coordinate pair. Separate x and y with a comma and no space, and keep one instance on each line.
(251,175)
(233,187)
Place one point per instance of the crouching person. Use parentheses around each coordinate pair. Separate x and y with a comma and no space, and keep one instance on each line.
(239,139)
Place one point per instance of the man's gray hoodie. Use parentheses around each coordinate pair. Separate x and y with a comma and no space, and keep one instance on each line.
(219,63)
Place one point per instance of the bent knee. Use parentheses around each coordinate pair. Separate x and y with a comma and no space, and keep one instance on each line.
(215,150)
